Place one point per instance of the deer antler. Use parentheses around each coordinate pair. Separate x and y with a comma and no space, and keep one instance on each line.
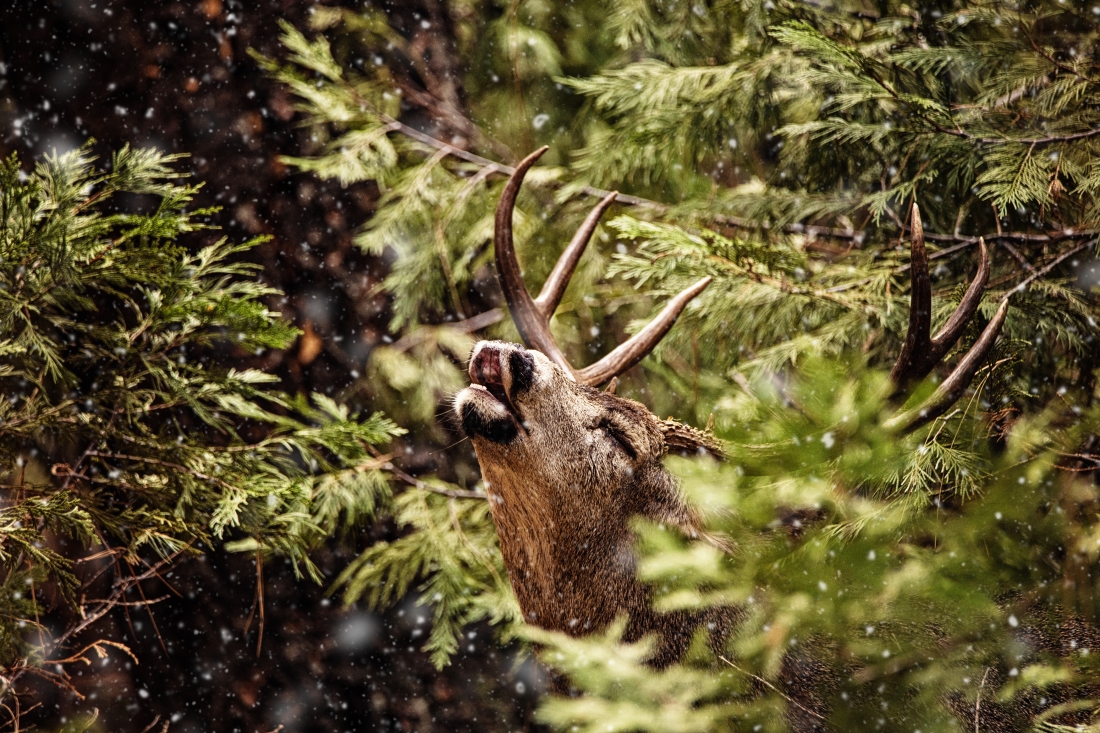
(921,353)
(532,315)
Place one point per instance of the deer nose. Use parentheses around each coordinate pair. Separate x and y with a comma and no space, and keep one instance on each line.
(485,367)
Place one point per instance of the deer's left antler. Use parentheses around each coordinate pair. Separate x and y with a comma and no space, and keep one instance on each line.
(921,353)
(532,315)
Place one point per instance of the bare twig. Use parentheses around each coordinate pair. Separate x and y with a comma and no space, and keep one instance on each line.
(417,483)
(103,606)
(775,689)
(149,610)
(98,647)
(1048,267)
(1016,254)
(978,701)
(90,614)
(1017,140)
(257,603)
(1039,50)
(260,599)
(454,119)
(149,727)
(469,325)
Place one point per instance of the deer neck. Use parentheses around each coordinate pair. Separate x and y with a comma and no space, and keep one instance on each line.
(569,555)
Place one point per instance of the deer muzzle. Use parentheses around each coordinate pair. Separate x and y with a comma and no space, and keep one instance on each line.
(497,372)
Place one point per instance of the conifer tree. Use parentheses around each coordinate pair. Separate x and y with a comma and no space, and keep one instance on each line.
(935,577)
(127,442)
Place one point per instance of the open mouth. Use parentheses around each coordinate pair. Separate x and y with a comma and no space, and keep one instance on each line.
(485,372)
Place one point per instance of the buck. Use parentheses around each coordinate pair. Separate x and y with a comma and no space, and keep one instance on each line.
(566,466)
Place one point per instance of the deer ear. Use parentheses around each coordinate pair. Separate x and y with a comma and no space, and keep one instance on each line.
(684,439)
(626,422)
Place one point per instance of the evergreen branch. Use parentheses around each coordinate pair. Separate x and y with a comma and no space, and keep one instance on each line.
(1047,268)
(963,134)
(286,491)
(1055,62)
(423,486)
(809,230)
(164,464)
(1084,135)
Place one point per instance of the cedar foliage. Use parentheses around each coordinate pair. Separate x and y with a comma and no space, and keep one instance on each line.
(126,442)
(937,579)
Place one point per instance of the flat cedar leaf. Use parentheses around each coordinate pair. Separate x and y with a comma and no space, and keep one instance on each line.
(165,470)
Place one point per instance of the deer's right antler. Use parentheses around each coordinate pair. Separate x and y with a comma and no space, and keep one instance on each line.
(532,315)
(921,353)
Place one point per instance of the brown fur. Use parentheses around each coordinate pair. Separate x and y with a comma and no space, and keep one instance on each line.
(563,490)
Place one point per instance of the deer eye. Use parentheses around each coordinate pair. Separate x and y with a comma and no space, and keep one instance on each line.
(618,438)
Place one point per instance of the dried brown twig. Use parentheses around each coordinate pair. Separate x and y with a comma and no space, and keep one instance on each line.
(90,613)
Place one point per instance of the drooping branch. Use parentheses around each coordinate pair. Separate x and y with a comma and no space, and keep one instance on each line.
(493,168)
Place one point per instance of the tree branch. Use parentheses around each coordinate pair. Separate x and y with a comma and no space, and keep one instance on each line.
(963,134)
(89,616)
(1014,140)
(1047,268)
(164,464)
(737,222)
(775,689)
(417,483)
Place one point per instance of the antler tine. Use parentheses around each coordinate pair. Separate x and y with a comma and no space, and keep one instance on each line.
(915,349)
(634,350)
(554,287)
(952,388)
(533,326)
(532,316)
(957,323)
(921,354)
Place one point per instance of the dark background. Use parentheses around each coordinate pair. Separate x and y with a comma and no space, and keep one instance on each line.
(177,76)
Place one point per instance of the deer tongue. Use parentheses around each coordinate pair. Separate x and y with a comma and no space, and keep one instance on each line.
(497,390)
(485,370)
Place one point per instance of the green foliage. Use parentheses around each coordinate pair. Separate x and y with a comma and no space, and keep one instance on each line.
(411,374)
(908,615)
(788,123)
(626,695)
(121,428)
(776,147)
(452,549)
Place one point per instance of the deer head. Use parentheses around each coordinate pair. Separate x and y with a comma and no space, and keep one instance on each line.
(567,465)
